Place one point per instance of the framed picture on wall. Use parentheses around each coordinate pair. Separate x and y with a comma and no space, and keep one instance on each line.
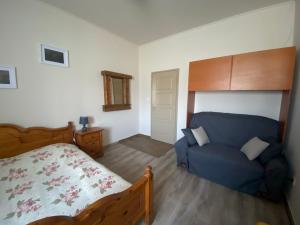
(8,77)
(54,56)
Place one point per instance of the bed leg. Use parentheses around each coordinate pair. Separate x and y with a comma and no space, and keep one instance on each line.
(148,196)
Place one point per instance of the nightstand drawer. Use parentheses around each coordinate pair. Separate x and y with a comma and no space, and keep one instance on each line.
(92,148)
(93,145)
(90,141)
(95,137)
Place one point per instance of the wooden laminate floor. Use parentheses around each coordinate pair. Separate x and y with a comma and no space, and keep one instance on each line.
(181,198)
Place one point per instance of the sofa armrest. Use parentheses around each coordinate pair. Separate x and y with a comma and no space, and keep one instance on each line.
(181,147)
(276,171)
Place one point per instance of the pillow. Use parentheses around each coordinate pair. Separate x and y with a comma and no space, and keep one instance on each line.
(271,152)
(189,136)
(200,136)
(253,148)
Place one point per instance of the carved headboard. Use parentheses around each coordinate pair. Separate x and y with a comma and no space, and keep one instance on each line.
(15,140)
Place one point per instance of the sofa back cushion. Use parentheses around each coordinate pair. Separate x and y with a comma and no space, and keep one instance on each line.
(274,150)
(189,136)
(236,129)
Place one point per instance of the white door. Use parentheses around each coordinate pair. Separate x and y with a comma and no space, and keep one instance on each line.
(164,106)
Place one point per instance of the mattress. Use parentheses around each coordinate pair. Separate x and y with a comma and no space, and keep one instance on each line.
(54,180)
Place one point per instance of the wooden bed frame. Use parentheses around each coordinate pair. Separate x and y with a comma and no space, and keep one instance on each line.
(124,208)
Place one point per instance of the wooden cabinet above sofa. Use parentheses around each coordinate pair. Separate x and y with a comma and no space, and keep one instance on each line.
(263,70)
(269,70)
(210,74)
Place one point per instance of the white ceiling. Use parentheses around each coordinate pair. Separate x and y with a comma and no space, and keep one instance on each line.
(142,21)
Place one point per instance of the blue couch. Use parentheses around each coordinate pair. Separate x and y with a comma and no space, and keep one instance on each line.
(221,160)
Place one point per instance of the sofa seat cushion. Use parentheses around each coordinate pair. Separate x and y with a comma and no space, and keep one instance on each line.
(226,165)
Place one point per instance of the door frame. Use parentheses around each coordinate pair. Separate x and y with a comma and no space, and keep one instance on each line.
(177,70)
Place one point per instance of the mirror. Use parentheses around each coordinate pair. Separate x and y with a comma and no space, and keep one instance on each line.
(116,91)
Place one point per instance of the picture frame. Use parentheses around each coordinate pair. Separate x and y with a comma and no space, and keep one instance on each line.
(8,77)
(54,56)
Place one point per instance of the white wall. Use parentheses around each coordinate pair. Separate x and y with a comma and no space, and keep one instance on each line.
(42,99)
(293,140)
(267,28)
(49,95)
(254,103)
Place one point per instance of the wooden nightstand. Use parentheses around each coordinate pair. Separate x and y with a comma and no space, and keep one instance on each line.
(90,141)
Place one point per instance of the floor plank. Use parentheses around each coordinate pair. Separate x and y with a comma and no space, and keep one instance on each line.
(181,198)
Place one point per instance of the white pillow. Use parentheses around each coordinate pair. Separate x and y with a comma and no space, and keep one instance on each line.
(253,148)
(200,136)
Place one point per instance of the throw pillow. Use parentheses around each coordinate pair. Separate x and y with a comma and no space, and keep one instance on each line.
(200,136)
(189,136)
(271,152)
(253,148)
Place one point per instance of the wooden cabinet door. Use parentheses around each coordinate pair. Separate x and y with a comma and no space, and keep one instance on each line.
(210,74)
(264,70)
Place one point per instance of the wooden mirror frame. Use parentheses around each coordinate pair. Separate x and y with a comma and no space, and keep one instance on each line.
(107,82)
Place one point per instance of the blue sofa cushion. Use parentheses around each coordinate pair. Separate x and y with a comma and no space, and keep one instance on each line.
(226,165)
(276,172)
(274,150)
(190,136)
(181,147)
(236,129)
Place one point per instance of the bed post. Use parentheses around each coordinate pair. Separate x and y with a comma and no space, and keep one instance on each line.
(148,196)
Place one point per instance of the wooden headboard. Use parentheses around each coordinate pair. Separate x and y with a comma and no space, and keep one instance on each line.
(15,140)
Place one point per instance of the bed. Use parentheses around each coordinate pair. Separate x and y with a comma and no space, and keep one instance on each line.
(46,179)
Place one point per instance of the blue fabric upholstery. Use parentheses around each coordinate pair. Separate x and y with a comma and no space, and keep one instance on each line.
(235,129)
(222,161)
(276,172)
(226,165)
(189,135)
(274,150)
(181,148)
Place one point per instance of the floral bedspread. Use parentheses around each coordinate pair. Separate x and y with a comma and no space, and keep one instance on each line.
(54,180)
